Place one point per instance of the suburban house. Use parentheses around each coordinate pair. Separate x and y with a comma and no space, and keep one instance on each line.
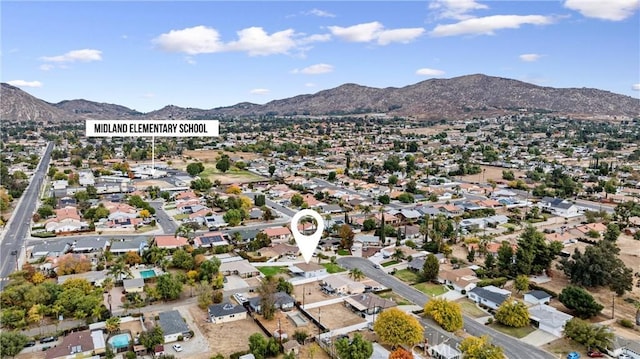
(170,241)
(226,312)
(83,344)
(338,284)
(417,264)
(282,301)
(49,249)
(137,245)
(583,231)
(462,280)
(489,296)
(173,326)
(67,219)
(308,270)
(133,285)
(367,240)
(537,297)
(96,278)
(241,268)
(278,234)
(622,345)
(211,239)
(548,319)
(558,207)
(368,303)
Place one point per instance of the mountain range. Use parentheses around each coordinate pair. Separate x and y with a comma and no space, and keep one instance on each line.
(455,98)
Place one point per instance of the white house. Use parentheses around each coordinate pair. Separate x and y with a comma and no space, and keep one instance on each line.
(549,319)
(444,351)
(337,284)
(559,207)
(537,297)
(489,296)
(226,312)
(308,270)
(173,325)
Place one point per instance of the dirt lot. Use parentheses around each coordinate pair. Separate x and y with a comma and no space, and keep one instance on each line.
(226,338)
(491,173)
(211,155)
(429,131)
(141,185)
(336,316)
(286,324)
(312,293)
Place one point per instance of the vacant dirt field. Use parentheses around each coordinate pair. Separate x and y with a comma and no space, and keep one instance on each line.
(335,316)
(226,338)
(429,131)
(286,325)
(491,173)
(211,155)
(144,184)
(312,293)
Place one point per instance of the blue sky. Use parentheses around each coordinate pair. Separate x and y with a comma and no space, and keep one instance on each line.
(206,54)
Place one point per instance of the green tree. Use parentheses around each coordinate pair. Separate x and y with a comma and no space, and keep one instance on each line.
(369,224)
(430,268)
(332,176)
(233,217)
(522,283)
(151,338)
(356,274)
(169,287)
(395,327)
(447,314)
(272,170)
(112,324)
(589,335)
(612,233)
(45,211)
(208,269)
(11,343)
(358,348)
(471,255)
(182,259)
(267,290)
(297,200)
(195,168)
(480,348)
(513,313)
(346,236)
(580,301)
(259,200)
(534,254)
(384,199)
(506,258)
(224,163)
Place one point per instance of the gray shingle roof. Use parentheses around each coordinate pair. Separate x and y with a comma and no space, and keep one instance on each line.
(489,295)
(224,309)
(171,322)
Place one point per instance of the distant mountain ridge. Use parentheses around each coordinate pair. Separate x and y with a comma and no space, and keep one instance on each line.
(455,98)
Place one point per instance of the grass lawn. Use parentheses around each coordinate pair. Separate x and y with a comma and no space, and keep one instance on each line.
(564,346)
(407,276)
(389,263)
(395,297)
(514,332)
(144,229)
(181,216)
(344,252)
(273,270)
(469,308)
(431,289)
(333,268)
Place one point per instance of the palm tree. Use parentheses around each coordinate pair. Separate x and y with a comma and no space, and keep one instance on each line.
(154,255)
(112,324)
(398,255)
(356,274)
(119,269)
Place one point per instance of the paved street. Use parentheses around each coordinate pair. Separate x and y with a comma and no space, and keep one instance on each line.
(513,348)
(16,231)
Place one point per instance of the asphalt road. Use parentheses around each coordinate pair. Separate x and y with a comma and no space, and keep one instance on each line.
(513,348)
(165,221)
(278,207)
(16,231)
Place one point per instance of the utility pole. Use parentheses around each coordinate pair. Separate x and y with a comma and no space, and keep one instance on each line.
(613,306)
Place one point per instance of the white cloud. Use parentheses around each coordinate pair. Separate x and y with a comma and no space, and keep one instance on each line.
(635,87)
(23,83)
(489,24)
(316,69)
(84,55)
(375,31)
(193,40)
(310,84)
(429,72)
(455,9)
(530,57)
(613,10)
(190,60)
(259,91)
(255,41)
(320,13)
(46,67)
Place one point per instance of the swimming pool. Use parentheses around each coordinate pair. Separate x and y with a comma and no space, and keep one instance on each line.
(120,340)
(147,273)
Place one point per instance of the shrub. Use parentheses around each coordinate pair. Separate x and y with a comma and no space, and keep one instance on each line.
(626,323)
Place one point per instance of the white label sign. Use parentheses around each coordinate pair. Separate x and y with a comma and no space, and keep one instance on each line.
(152,128)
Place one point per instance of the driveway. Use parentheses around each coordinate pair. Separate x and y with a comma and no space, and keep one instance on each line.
(539,338)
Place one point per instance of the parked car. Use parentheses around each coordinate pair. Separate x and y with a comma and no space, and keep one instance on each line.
(177,347)
(594,354)
(624,356)
(48,339)
(30,343)
(573,355)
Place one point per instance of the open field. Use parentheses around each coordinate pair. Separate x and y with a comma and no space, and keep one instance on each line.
(211,155)
(223,338)
(282,320)
(491,173)
(234,175)
(141,185)
(514,332)
(312,293)
(407,276)
(335,316)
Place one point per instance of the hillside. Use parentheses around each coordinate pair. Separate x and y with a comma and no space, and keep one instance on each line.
(455,98)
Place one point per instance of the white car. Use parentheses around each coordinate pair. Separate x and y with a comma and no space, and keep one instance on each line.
(177,347)
(624,356)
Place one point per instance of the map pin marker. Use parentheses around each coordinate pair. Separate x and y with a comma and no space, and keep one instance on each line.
(307,244)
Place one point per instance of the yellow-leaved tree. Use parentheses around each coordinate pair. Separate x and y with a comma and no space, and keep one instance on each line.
(395,327)
(513,313)
(447,314)
(480,348)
